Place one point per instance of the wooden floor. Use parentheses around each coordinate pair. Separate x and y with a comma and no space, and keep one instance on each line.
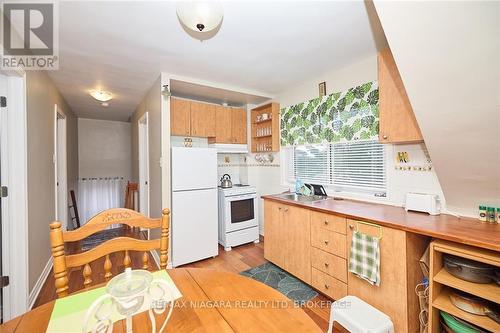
(239,259)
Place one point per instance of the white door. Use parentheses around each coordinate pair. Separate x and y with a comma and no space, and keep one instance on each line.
(13,206)
(3,181)
(194,226)
(60,171)
(144,164)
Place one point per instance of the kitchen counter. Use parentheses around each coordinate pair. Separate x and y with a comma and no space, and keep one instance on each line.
(461,230)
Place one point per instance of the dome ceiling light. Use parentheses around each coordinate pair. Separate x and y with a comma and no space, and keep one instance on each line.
(200,19)
(101,95)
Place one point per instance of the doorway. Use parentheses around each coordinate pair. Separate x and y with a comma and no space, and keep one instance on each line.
(60,168)
(143,123)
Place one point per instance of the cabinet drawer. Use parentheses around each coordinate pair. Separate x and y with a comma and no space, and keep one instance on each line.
(329,222)
(329,264)
(328,241)
(328,285)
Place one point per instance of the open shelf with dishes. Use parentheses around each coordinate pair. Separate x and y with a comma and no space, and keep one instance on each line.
(462,286)
(265,128)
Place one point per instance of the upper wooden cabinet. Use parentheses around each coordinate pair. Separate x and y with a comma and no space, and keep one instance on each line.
(218,123)
(230,125)
(190,118)
(239,125)
(202,119)
(223,125)
(180,115)
(397,120)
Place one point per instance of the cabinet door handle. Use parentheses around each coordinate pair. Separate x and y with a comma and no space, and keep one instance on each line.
(327,286)
(327,241)
(326,222)
(384,137)
(279,208)
(351,226)
(286,209)
(327,264)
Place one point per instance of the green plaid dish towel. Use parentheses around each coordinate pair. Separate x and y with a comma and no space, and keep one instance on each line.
(364,260)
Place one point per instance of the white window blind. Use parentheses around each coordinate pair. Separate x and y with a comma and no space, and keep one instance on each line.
(312,164)
(351,167)
(359,166)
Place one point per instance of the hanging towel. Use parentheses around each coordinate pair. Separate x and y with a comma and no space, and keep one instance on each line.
(364,260)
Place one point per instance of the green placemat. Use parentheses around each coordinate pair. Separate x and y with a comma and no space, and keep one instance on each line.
(69,312)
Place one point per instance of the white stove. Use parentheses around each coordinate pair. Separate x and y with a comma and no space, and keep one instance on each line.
(238,216)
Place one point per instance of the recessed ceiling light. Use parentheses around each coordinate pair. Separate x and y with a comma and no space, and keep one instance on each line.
(101,95)
(105,104)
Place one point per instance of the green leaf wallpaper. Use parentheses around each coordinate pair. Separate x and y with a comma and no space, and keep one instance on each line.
(343,116)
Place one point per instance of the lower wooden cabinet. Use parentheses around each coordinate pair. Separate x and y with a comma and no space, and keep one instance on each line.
(287,234)
(302,243)
(329,264)
(274,232)
(399,274)
(329,241)
(328,285)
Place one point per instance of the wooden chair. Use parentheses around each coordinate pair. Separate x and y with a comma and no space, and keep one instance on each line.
(63,261)
(130,192)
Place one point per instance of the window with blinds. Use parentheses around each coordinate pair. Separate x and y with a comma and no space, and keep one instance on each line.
(350,167)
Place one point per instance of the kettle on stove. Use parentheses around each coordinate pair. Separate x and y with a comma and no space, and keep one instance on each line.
(225,181)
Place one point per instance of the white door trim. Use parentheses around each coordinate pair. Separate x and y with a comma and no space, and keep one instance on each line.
(143,145)
(14,175)
(60,167)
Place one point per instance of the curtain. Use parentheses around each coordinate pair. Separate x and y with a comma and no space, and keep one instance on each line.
(98,194)
(345,116)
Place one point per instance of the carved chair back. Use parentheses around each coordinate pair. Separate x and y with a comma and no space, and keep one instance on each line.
(100,222)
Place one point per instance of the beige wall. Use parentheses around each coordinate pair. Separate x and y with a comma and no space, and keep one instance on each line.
(104,148)
(451,72)
(41,95)
(151,104)
(362,71)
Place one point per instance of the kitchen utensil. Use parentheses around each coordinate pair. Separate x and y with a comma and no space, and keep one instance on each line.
(225,181)
(446,328)
(458,326)
(473,304)
(470,270)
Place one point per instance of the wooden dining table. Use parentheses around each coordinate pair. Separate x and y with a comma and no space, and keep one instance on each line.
(212,301)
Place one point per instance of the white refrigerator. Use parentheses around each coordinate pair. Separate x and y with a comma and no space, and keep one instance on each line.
(194,204)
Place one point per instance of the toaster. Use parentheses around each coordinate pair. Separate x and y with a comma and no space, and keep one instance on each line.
(421,202)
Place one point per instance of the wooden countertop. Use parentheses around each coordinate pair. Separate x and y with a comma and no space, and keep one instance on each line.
(448,227)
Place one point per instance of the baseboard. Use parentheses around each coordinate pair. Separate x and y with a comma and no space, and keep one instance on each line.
(39,284)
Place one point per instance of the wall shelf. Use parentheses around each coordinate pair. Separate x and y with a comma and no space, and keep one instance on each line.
(262,142)
(442,283)
(263,121)
(443,302)
(489,291)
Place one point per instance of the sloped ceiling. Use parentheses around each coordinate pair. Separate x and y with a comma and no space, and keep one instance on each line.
(448,55)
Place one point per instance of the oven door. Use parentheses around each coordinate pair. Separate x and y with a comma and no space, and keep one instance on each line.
(241,212)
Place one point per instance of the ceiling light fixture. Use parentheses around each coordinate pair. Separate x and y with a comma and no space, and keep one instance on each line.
(200,19)
(101,95)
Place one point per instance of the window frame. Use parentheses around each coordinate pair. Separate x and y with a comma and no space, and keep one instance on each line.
(288,176)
